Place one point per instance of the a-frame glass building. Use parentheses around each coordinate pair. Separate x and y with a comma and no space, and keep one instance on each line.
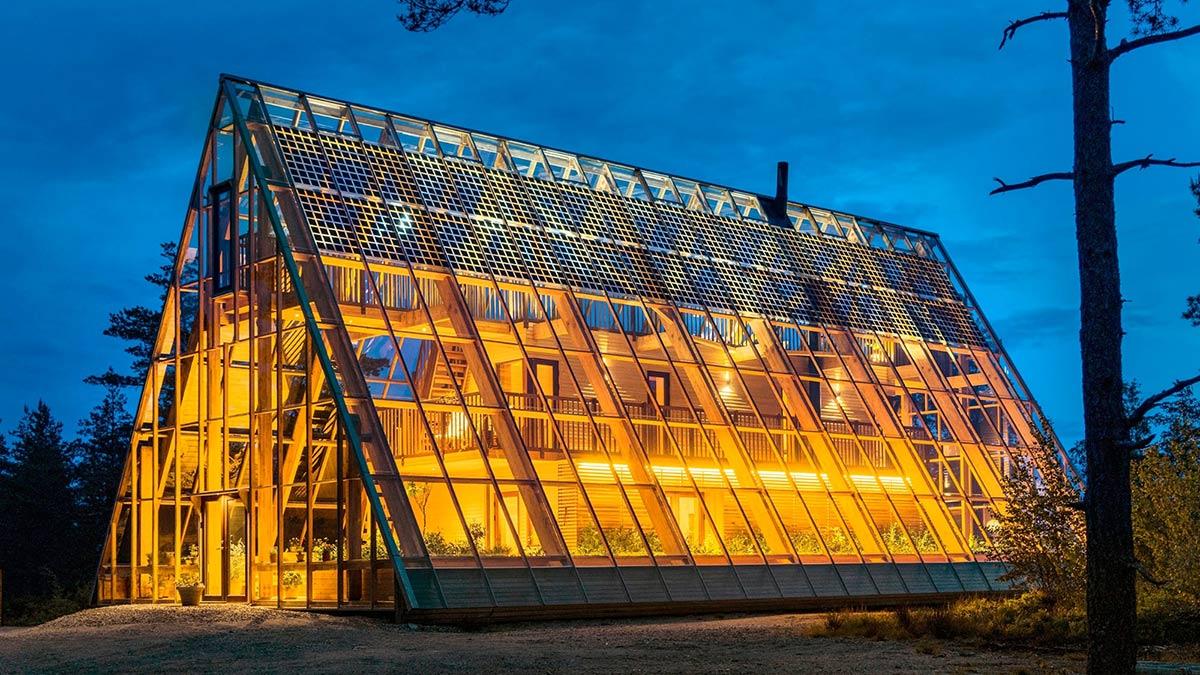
(409,365)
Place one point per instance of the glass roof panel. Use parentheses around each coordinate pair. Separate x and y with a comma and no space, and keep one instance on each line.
(748,206)
(373,126)
(628,182)
(285,108)
(414,135)
(564,167)
(454,143)
(596,174)
(661,187)
(331,116)
(719,201)
(491,152)
(528,160)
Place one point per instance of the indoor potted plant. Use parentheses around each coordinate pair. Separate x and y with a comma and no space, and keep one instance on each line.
(189,588)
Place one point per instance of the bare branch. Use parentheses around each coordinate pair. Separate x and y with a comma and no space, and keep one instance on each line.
(1137,444)
(1139,413)
(1127,46)
(1009,187)
(1116,122)
(1011,31)
(1147,161)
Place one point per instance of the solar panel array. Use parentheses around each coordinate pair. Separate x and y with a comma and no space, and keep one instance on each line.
(446,212)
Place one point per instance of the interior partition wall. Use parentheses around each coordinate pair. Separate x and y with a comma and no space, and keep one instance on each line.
(403,364)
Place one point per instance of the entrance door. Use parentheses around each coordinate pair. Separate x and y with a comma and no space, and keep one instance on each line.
(223,554)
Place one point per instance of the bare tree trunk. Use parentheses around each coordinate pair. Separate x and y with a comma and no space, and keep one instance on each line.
(1111,592)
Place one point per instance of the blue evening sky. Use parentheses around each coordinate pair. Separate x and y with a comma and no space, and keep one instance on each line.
(899,111)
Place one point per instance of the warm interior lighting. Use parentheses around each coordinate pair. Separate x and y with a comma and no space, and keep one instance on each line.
(481,373)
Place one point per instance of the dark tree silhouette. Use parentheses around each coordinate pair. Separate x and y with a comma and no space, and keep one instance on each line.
(422,16)
(1108,441)
(100,456)
(37,509)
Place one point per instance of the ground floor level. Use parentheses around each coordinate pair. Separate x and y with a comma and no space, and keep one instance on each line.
(468,595)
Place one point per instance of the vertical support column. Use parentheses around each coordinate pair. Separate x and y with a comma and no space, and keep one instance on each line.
(144,545)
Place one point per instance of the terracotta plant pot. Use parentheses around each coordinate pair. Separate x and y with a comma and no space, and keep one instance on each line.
(189,596)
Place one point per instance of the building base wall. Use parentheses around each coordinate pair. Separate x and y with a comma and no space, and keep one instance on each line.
(464,596)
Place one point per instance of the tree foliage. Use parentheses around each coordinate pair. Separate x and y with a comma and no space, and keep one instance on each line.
(56,498)
(1150,17)
(100,451)
(1042,534)
(38,514)
(422,16)
(1166,509)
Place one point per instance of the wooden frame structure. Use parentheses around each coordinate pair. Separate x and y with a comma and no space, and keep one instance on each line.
(408,365)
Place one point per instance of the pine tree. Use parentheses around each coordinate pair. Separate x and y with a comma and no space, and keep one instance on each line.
(1111,564)
(100,455)
(38,509)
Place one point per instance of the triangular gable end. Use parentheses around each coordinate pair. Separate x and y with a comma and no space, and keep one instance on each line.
(245,411)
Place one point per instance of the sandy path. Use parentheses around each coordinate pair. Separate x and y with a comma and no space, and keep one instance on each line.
(236,639)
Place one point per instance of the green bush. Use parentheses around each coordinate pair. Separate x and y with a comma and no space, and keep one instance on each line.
(1041,535)
(1030,619)
(1166,516)
(32,610)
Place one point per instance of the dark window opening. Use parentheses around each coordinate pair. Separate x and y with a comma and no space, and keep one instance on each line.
(660,387)
(220,256)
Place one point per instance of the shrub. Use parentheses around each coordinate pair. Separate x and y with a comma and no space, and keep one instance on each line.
(1041,535)
(1166,515)
(1028,619)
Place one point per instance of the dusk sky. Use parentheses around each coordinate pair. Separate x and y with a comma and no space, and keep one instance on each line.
(897,111)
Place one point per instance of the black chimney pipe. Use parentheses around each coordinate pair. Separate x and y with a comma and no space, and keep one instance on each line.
(781,185)
(775,208)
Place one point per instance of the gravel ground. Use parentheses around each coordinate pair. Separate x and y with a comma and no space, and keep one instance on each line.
(241,638)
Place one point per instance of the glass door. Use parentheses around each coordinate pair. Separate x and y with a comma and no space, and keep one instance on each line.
(223,533)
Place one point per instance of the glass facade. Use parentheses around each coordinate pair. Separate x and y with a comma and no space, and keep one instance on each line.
(407,364)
